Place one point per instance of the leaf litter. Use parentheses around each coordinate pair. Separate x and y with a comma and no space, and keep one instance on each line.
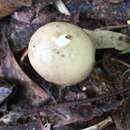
(103,94)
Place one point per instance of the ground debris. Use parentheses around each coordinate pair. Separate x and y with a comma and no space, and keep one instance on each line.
(10,117)
(121,117)
(58,116)
(11,71)
(8,6)
(116,1)
(21,27)
(100,95)
(100,10)
(116,65)
(6,90)
(29,126)
(75,111)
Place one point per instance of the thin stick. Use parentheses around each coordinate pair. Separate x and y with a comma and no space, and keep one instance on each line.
(61,7)
(101,125)
(114,27)
(24,55)
(121,62)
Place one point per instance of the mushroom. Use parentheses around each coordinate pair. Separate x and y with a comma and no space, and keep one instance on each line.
(64,54)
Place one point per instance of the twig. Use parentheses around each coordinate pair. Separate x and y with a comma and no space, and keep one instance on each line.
(121,62)
(24,55)
(43,126)
(101,125)
(81,102)
(61,7)
(114,27)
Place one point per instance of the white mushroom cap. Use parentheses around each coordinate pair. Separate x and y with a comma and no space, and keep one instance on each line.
(61,53)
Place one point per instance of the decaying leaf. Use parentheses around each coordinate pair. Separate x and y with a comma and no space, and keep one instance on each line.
(66,113)
(11,71)
(125,114)
(19,36)
(100,9)
(35,125)
(116,1)
(8,6)
(19,31)
(5,90)
(108,39)
(10,117)
(121,116)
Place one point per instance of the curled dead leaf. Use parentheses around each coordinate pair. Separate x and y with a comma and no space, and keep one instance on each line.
(10,69)
(6,90)
(8,6)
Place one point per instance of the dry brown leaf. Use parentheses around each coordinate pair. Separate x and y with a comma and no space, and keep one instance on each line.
(8,6)
(11,70)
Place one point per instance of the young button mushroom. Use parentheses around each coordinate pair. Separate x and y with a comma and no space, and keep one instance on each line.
(64,53)
(61,53)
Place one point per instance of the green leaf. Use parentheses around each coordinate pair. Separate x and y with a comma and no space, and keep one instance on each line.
(125,51)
